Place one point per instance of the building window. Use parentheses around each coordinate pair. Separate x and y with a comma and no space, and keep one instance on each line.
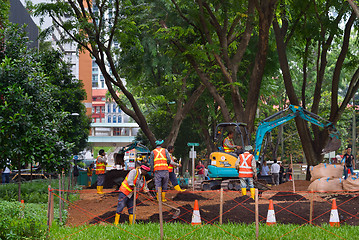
(94,84)
(94,78)
(108,108)
(119,109)
(102,84)
(94,99)
(93,110)
(114,107)
(117,131)
(114,119)
(102,109)
(119,119)
(109,119)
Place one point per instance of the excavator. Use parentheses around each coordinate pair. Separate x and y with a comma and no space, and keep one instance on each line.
(221,169)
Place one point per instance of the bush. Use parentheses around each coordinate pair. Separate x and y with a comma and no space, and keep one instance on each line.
(20,221)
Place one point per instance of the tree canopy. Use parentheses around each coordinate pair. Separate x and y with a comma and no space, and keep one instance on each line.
(34,120)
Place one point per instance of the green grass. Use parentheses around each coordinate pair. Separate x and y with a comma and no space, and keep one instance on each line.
(186,231)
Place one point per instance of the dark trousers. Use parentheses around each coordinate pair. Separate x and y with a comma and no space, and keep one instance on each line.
(124,201)
(173,178)
(161,179)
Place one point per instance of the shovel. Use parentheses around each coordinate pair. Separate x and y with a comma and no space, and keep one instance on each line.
(176,214)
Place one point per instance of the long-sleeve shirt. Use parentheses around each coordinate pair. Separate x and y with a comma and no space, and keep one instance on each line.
(152,157)
(229,143)
(173,161)
(253,165)
(102,159)
(275,168)
(139,183)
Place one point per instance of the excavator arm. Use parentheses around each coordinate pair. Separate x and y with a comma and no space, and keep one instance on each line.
(268,124)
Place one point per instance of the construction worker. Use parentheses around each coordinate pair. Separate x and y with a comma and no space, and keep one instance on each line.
(228,143)
(89,174)
(136,177)
(246,166)
(172,175)
(160,159)
(101,163)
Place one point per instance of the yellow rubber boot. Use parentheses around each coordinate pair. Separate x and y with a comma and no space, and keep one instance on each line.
(253,190)
(130,218)
(99,190)
(117,219)
(164,197)
(178,188)
(244,191)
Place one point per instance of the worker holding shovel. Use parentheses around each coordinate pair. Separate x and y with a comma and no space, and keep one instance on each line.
(136,177)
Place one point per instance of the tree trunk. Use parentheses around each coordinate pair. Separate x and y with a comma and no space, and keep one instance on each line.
(181,114)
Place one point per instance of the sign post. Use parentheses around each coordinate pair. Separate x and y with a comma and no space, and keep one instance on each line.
(192,154)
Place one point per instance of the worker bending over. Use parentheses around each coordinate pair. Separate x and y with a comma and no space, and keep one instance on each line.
(160,159)
(136,177)
(246,166)
(172,175)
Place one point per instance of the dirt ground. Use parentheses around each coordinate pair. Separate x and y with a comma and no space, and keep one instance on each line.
(289,207)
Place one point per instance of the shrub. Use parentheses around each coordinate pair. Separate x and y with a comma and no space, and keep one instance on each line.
(19,221)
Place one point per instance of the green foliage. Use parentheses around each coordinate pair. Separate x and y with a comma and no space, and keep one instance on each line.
(4,12)
(31,192)
(22,221)
(38,96)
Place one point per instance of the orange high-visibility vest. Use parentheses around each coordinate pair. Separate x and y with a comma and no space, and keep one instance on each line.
(170,166)
(225,147)
(160,159)
(245,165)
(127,189)
(100,167)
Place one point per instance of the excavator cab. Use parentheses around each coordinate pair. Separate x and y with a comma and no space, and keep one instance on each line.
(221,162)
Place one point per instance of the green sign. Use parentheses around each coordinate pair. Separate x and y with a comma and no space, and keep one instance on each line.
(192,144)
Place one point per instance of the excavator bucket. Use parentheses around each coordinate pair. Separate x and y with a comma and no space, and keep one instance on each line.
(333,145)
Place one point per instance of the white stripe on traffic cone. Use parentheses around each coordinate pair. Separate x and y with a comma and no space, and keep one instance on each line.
(196,217)
(271,215)
(334,216)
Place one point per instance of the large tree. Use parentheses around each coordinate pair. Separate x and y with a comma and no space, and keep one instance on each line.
(226,43)
(33,111)
(99,27)
(211,40)
(310,32)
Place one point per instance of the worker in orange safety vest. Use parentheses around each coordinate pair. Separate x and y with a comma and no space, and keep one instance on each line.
(136,177)
(160,159)
(246,166)
(172,175)
(101,163)
(228,143)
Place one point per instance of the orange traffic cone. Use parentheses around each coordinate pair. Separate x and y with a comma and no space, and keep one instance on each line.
(349,171)
(290,178)
(334,216)
(196,217)
(271,215)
